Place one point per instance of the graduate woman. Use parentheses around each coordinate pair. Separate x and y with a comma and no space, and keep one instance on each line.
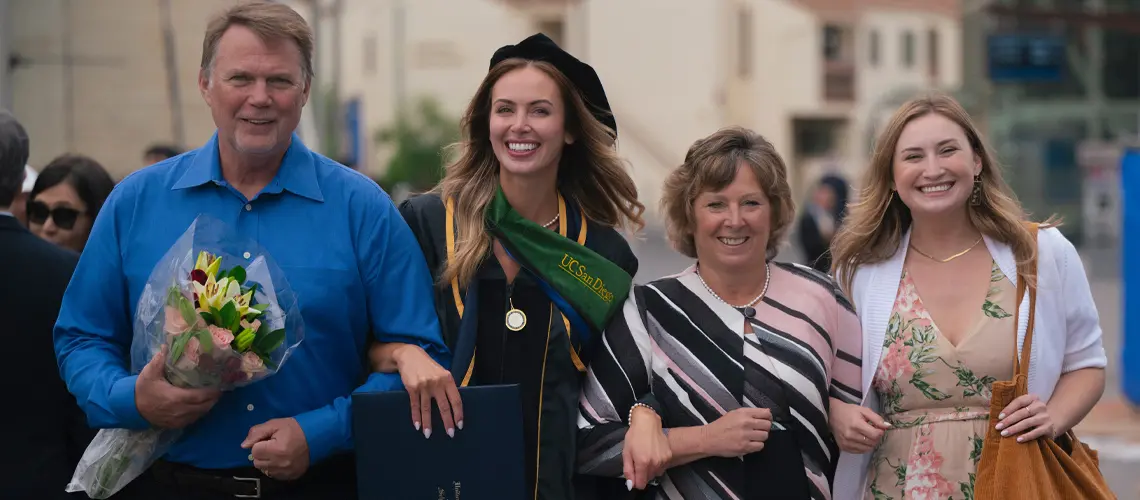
(521,237)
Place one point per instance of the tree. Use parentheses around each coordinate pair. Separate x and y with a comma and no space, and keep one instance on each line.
(418,140)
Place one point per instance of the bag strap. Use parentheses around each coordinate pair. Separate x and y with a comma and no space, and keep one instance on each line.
(1022,285)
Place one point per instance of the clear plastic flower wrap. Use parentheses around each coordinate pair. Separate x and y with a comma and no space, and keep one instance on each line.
(226,317)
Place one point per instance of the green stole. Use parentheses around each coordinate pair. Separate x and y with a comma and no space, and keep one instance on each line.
(587,288)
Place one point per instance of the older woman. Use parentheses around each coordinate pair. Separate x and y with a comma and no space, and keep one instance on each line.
(721,377)
(932,255)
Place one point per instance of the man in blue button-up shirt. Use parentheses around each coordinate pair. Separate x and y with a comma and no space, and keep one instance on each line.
(353,262)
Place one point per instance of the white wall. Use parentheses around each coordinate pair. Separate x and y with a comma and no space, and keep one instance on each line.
(878,83)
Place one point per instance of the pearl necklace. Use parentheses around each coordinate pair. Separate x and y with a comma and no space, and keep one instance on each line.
(747,309)
(552,221)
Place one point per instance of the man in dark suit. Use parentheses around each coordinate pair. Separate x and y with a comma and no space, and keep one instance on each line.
(43,430)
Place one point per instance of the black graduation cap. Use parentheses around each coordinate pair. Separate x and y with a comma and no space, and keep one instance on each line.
(539,47)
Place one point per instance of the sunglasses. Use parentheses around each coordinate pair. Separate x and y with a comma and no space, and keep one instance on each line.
(63,217)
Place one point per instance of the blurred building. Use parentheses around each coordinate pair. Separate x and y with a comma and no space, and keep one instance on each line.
(811,75)
(93,77)
(814,76)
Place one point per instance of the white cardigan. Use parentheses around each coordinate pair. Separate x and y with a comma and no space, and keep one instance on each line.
(1066,335)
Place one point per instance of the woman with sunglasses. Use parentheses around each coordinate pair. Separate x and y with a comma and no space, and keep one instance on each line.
(66,198)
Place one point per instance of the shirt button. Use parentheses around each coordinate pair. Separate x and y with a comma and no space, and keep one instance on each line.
(248,207)
(246,255)
(249,407)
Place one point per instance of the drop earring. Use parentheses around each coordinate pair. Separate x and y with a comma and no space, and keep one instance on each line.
(976,196)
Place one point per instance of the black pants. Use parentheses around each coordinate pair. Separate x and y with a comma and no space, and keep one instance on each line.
(333,479)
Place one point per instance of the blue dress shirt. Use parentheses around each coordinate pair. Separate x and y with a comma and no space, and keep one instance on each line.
(352,260)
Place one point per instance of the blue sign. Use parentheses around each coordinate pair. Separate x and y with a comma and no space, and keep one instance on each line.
(1025,58)
(1130,276)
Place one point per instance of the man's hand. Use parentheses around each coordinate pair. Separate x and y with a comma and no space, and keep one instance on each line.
(425,380)
(166,406)
(280,449)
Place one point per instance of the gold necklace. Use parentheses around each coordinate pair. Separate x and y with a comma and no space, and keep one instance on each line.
(950,258)
(516,319)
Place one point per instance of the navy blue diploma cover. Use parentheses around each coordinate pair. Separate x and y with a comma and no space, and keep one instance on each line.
(483,461)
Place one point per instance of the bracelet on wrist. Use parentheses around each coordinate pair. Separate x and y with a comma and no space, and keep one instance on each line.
(635,405)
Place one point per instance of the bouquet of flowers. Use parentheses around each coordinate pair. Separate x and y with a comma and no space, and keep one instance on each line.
(221,327)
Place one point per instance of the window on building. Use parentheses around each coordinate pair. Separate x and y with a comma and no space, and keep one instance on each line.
(744,42)
(832,42)
(908,49)
(873,47)
(932,48)
(370,52)
(555,29)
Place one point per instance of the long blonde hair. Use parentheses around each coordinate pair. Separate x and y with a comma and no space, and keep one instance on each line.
(589,172)
(874,228)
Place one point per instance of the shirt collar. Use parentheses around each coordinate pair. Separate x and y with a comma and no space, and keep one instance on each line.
(298,172)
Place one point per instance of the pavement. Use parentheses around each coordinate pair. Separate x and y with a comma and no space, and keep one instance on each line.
(1112,428)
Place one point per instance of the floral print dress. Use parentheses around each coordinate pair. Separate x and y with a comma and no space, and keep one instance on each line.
(936,395)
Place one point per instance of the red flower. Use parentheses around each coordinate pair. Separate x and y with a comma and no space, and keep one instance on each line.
(199,276)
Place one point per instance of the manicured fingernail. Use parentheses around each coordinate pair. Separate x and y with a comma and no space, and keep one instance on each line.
(629,484)
(1020,439)
(417,425)
(999,426)
(459,424)
(1001,415)
(427,433)
(1005,433)
(450,432)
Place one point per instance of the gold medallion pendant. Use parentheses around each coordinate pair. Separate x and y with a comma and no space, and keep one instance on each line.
(516,319)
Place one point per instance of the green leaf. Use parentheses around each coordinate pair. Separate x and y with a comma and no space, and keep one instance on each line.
(268,362)
(238,274)
(270,341)
(229,316)
(208,317)
(178,346)
(206,340)
(260,307)
(186,308)
(993,310)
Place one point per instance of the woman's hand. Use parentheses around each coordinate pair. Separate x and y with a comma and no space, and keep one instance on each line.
(425,380)
(1026,414)
(738,433)
(856,429)
(646,453)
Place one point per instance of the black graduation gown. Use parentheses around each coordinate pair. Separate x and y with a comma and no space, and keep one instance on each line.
(538,357)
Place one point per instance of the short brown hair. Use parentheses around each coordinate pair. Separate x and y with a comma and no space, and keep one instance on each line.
(270,21)
(711,165)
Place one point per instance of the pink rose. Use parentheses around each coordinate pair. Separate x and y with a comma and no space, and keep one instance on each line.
(174,323)
(896,363)
(222,337)
(251,364)
(191,354)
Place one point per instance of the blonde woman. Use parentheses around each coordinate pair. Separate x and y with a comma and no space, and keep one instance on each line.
(534,196)
(930,256)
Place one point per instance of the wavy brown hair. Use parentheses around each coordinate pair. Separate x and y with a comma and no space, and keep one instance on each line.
(711,165)
(874,227)
(589,171)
